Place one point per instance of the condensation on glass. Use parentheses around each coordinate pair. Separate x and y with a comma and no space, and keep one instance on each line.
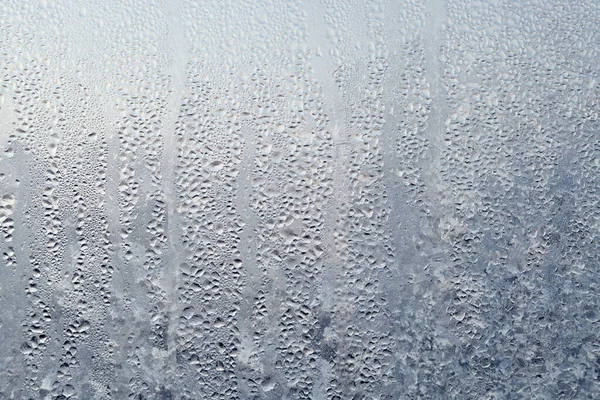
(294,199)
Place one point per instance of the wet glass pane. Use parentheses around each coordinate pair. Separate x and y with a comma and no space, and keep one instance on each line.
(292,199)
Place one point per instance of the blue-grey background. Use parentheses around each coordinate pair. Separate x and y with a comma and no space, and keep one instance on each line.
(290,199)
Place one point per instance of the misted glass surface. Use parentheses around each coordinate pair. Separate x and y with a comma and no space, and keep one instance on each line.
(292,199)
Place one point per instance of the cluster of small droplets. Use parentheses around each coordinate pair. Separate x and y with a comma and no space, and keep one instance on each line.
(208,291)
(299,200)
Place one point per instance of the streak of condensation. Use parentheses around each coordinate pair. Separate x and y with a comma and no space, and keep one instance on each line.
(299,200)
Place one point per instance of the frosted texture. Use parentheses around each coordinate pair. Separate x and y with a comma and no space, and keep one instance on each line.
(292,199)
